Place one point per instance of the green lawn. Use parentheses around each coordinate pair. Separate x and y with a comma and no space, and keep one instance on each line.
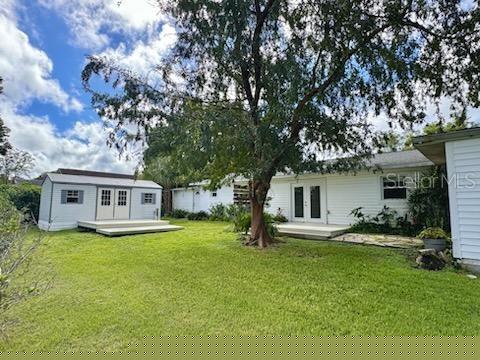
(109,292)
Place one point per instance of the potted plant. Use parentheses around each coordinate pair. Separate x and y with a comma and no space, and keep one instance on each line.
(434,238)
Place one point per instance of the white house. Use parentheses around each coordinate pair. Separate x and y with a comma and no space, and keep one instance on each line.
(326,198)
(460,151)
(69,196)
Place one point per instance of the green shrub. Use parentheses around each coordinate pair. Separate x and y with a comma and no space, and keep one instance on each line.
(433,233)
(25,197)
(10,219)
(385,222)
(201,215)
(218,212)
(179,214)
(428,202)
(244,221)
(279,217)
(234,210)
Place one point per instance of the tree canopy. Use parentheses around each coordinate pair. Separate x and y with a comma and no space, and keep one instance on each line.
(255,87)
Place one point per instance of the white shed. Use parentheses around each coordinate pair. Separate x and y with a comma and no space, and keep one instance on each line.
(460,151)
(70,196)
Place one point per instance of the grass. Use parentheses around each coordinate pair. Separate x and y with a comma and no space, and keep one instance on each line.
(109,292)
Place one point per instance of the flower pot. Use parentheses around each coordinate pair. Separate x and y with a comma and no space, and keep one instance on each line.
(436,244)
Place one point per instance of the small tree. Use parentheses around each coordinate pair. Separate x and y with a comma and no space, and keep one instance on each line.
(4,144)
(17,245)
(256,87)
(15,163)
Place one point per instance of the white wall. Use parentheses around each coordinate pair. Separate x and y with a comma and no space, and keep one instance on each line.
(463,167)
(65,216)
(45,200)
(182,199)
(343,192)
(139,211)
(198,199)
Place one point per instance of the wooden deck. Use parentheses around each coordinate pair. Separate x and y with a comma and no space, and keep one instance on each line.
(128,227)
(311,230)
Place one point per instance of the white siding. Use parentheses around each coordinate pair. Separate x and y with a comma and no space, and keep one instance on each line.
(45,200)
(279,198)
(343,192)
(463,166)
(199,199)
(139,211)
(66,216)
(182,199)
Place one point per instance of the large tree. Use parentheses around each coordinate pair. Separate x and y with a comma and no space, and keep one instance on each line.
(254,87)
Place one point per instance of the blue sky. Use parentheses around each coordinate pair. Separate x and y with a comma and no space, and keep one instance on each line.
(42,53)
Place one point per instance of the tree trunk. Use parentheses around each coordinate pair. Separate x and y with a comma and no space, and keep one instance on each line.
(258,193)
(167,201)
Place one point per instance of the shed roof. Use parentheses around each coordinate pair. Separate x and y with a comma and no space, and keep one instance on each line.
(97,180)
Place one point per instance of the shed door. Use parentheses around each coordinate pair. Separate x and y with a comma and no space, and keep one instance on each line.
(122,204)
(105,203)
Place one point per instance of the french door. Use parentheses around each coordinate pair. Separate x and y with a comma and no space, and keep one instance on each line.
(113,204)
(309,202)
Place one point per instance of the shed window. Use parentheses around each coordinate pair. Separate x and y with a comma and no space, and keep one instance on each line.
(73,197)
(394,188)
(214,194)
(122,198)
(106,196)
(148,198)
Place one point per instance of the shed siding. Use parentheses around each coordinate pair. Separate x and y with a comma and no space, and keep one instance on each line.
(45,200)
(139,211)
(343,192)
(463,167)
(66,216)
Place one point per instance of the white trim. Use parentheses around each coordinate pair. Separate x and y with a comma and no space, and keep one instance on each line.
(452,197)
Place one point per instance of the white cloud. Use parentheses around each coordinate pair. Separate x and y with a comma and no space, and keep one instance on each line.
(91,22)
(143,55)
(81,147)
(26,69)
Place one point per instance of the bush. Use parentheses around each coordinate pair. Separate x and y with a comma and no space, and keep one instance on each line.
(25,197)
(244,221)
(201,215)
(433,233)
(385,222)
(279,217)
(179,214)
(428,202)
(218,212)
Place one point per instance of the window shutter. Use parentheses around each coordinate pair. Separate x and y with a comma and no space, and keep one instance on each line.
(80,196)
(143,198)
(63,197)
(154,199)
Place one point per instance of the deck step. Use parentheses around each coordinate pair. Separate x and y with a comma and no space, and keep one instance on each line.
(107,224)
(137,230)
(311,232)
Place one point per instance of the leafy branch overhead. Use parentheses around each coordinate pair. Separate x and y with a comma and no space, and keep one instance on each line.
(252,88)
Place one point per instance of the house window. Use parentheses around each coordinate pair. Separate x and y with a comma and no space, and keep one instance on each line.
(73,197)
(394,188)
(148,198)
(214,194)
(106,196)
(122,198)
